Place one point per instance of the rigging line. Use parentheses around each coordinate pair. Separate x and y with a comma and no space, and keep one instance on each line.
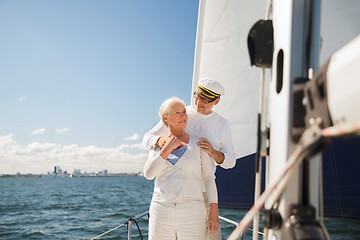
(217,21)
(321,190)
(269,9)
(290,167)
(339,131)
(109,231)
(236,224)
(303,147)
(336,187)
(342,130)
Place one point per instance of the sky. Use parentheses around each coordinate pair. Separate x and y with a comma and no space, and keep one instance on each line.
(82,81)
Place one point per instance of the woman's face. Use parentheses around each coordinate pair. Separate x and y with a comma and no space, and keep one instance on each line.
(177,116)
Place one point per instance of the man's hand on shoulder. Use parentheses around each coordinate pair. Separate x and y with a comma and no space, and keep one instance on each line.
(206,146)
(161,141)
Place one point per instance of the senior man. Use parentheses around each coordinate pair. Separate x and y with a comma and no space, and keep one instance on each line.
(212,128)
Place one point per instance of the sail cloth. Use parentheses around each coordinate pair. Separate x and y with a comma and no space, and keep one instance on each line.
(221,54)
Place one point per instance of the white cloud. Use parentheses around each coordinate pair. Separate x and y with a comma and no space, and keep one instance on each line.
(38,131)
(62,130)
(42,157)
(6,140)
(21,99)
(134,137)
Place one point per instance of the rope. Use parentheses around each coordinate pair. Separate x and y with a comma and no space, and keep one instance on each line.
(109,231)
(342,130)
(274,191)
(294,161)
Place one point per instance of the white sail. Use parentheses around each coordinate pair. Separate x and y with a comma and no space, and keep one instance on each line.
(221,53)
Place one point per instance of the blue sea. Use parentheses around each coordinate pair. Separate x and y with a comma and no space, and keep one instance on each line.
(83,208)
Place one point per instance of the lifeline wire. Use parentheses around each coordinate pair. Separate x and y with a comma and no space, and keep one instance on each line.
(276,189)
(109,231)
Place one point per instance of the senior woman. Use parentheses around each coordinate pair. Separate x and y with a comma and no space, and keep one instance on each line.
(182,173)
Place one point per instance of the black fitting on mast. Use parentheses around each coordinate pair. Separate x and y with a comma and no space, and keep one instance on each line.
(310,103)
(271,219)
(261,44)
(302,225)
(298,109)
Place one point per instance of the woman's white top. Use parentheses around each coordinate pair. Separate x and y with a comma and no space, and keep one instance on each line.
(187,179)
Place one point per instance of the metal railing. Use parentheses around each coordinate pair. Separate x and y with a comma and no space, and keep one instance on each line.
(131,220)
(232,222)
(134,220)
(236,224)
(128,223)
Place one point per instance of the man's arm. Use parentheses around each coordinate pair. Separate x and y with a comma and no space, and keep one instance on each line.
(226,156)
(227,147)
(206,146)
(151,137)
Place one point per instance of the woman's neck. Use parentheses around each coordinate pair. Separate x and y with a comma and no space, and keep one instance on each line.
(180,134)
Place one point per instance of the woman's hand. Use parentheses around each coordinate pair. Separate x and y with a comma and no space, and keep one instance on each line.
(171,143)
(213,222)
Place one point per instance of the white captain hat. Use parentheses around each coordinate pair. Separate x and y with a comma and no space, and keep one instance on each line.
(210,89)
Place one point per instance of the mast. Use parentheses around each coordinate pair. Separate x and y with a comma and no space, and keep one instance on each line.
(296,56)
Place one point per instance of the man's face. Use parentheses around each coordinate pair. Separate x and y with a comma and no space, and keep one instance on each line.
(202,105)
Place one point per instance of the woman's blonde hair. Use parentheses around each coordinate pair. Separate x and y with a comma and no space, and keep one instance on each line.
(167,105)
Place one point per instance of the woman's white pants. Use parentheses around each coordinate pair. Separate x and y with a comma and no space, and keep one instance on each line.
(181,221)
